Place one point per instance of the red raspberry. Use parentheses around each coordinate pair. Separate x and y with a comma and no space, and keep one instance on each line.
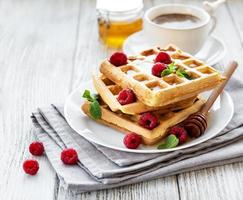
(158,68)
(148,120)
(36,148)
(126,96)
(69,156)
(163,58)
(31,167)
(132,140)
(180,133)
(118,59)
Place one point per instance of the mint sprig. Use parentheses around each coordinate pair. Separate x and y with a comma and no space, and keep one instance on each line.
(170,142)
(87,95)
(183,73)
(170,69)
(94,109)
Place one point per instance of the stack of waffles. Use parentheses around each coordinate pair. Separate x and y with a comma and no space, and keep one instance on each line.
(171,98)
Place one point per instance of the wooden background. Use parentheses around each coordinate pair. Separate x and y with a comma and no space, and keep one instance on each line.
(47,47)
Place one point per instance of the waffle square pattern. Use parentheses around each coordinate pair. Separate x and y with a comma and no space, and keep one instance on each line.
(109,91)
(156,92)
(129,123)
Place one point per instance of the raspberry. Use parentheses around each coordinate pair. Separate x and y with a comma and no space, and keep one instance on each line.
(31,167)
(163,58)
(69,156)
(36,148)
(132,140)
(158,68)
(126,96)
(148,120)
(180,133)
(118,59)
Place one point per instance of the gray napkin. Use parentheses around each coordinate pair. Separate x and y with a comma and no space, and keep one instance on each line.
(100,167)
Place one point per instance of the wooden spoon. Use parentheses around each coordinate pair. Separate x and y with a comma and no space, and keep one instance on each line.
(196,124)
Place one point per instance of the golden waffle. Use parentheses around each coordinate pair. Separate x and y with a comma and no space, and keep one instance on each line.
(108,91)
(129,123)
(154,91)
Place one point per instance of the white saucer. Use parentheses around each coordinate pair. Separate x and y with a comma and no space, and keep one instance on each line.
(211,53)
(219,117)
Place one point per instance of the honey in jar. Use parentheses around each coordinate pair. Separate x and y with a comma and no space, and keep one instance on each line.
(117,22)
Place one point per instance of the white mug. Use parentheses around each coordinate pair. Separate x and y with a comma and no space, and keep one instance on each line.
(189,39)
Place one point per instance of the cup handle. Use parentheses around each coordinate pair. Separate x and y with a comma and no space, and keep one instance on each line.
(210,7)
(214,23)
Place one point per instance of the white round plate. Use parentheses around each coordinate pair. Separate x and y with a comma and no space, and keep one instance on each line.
(220,115)
(211,53)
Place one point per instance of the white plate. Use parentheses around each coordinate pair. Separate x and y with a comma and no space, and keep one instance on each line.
(219,117)
(211,53)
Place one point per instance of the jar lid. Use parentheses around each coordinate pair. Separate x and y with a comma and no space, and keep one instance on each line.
(119,6)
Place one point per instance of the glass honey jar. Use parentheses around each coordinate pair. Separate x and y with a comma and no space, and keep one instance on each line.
(118,19)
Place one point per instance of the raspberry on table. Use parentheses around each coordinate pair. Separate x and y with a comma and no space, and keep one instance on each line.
(148,120)
(36,148)
(126,96)
(31,167)
(158,68)
(132,140)
(163,57)
(180,133)
(118,59)
(69,156)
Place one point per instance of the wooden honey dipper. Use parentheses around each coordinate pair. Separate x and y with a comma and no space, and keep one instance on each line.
(196,124)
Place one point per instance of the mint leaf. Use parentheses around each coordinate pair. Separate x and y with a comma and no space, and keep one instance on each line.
(187,76)
(166,72)
(179,73)
(170,69)
(87,95)
(170,142)
(95,109)
(183,73)
(172,66)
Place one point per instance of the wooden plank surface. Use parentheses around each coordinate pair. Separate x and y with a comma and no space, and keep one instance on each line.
(219,182)
(235,13)
(37,44)
(47,48)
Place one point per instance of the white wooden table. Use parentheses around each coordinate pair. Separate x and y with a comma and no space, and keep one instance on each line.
(47,47)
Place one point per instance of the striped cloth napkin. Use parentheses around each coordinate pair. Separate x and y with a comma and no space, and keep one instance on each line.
(100,167)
